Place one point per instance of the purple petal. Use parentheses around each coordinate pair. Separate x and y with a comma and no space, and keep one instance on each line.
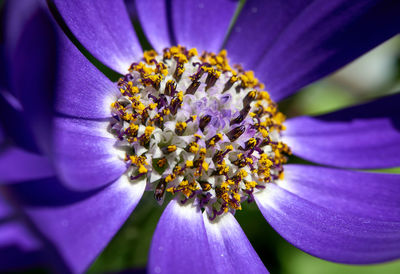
(78,224)
(365,136)
(15,233)
(153,16)
(201,24)
(18,165)
(230,248)
(312,40)
(15,124)
(180,243)
(104,29)
(32,72)
(337,215)
(85,154)
(17,12)
(267,17)
(5,209)
(19,249)
(82,91)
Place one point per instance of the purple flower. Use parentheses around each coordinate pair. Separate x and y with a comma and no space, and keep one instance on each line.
(106,140)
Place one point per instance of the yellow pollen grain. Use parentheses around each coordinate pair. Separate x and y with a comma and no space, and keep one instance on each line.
(189,163)
(249,160)
(171,148)
(192,52)
(181,125)
(148,131)
(194,148)
(153,106)
(180,95)
(166,111)
(236,196)
(252,141)
(229,147)
(142,169)
(242,173)
(205,166)
(134,127)
(169,178)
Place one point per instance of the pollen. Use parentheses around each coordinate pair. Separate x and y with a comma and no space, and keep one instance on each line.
(196,127)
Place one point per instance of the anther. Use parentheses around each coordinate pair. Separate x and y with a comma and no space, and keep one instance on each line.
(204,121)
(212,78)
(235,133)
(213,140)
(168,149)
(249,97)
(193,87)
(178,71)
(229,83)
(242,114)
(180,128)
(170,88)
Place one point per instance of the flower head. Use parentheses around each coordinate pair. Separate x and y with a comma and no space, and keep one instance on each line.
(194,124)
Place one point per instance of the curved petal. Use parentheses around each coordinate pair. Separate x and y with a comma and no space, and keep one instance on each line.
(84,153)
(365,136)
(268,18)
(78,224)
(18,247)
(82,90)
(32,71)
(341,216)
(16,14)
(318,39)
(15,123)
(180,242)
(104,29)
(230,248)
(201,24)
(153,16)
(17,165)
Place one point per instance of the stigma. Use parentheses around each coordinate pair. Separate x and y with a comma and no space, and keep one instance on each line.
(194,126)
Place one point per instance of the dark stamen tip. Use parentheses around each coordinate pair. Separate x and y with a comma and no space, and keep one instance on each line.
(193,87)
(235,133)
(204,121)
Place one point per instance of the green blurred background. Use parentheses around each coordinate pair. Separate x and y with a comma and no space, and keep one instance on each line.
(375,74)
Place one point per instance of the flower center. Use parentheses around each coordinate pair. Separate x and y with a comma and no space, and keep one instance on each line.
(196,127)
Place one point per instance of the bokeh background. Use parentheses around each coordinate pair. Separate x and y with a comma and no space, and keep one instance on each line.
(375,74)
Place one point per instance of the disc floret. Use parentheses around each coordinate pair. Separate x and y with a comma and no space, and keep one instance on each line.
(193,126)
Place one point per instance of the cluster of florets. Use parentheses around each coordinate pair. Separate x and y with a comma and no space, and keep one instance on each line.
(194,126)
